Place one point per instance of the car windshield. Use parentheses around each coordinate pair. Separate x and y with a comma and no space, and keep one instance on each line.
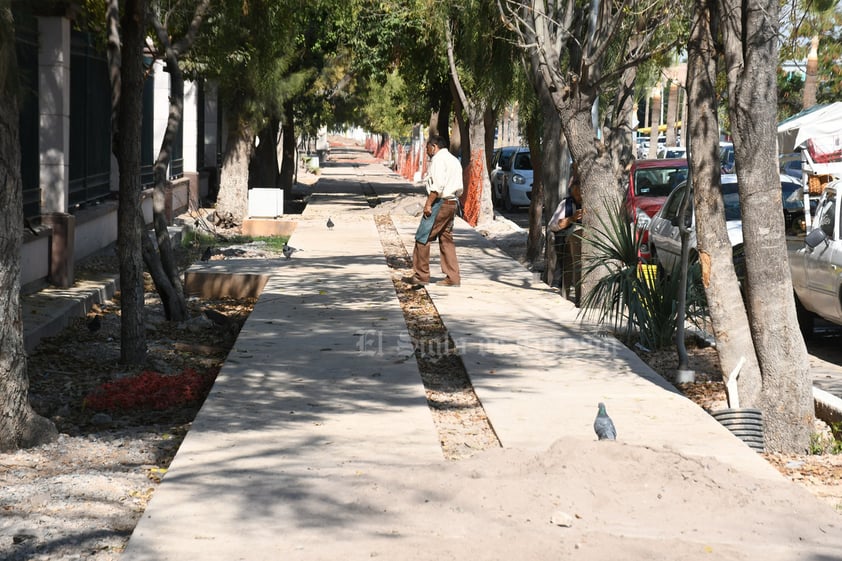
(658,182)
(791,193)
(731,200)
(523,161)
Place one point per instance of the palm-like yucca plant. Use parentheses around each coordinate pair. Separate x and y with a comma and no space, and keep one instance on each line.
(633,298)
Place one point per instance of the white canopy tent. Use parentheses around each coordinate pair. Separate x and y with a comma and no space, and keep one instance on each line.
(817,134)
(818,121)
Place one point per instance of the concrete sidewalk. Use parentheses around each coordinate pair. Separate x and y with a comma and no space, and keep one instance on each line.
(316,441)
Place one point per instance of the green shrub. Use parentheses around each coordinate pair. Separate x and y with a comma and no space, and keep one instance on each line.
(635,299)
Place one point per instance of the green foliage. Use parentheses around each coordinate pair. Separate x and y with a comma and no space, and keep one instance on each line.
(193,238)
(827,444)
(801,22)
(265,53)
(636,300)
(387,110)
(790,90)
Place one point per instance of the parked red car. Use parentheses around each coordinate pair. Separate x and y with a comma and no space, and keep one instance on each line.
(650,182)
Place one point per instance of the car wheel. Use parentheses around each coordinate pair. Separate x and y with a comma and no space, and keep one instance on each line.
(653,260)
(507,199)
(495,196)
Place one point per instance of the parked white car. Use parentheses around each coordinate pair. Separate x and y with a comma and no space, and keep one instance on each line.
(511,176)
(672,152)
(664,235)
(815,264)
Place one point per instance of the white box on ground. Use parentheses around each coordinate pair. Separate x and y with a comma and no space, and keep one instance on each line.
(266,203)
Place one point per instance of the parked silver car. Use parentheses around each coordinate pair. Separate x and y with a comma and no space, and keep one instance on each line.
(664,235)
(511,177)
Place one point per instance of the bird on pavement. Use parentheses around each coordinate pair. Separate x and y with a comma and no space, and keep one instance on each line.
(603,425)
(207,253)
(217,317)
(289,250)
(330,223)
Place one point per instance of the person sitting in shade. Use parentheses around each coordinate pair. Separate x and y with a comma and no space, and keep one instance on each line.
(566,224)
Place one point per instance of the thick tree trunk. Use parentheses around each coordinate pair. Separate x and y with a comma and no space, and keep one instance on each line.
(555,166)
(288,151)
(232,201)
(489,119)
(727,312)
(786,394)
(476,133)
(440,118)
(20,426)
(601,193)
(130,223)
(459,139)
(263,167)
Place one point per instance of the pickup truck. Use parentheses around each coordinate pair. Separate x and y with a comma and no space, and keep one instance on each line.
(815,263)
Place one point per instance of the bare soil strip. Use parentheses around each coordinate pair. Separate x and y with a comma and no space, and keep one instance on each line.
(463,427)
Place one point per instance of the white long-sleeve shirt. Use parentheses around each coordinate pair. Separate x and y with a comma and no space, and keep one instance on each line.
(561,212)
(444,175)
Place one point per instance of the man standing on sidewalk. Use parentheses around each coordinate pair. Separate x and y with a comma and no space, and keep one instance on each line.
(444,185)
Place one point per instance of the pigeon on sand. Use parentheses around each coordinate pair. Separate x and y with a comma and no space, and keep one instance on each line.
(289,250)
(603,425)
(330,223)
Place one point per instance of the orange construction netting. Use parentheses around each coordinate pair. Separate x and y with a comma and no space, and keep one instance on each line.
(472,194)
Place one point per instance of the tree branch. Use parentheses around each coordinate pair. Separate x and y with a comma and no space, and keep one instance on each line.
(451,60)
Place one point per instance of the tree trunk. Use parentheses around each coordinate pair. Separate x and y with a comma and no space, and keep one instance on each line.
(727,312)
(232,201)
(159,257)
(536,202)
(555,166)
(672,113)
(601,193)
(489,119)
(459,139)
(811,81)
(130,222)
(479,175)
(786,394)
(20,426)
(263,167)
(618,134)
(288,151)
(656,123)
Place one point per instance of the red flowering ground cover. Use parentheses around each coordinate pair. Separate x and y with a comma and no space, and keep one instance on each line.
(151,391)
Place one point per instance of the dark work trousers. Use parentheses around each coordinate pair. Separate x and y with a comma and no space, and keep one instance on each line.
(443,230)
(558,244)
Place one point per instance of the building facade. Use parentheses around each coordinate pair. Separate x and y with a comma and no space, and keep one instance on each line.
(69,174)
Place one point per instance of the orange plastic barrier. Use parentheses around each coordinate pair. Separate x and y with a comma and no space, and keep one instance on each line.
(472,194)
